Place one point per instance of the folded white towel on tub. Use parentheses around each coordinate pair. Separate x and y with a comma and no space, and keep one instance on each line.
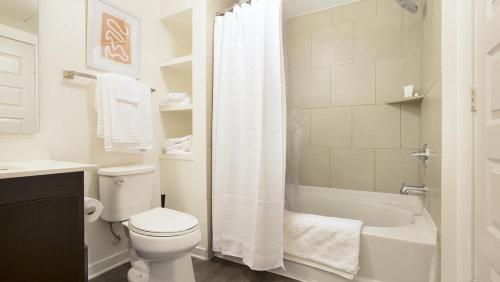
(330,241)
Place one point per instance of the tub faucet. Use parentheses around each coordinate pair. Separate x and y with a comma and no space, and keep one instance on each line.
(416,190)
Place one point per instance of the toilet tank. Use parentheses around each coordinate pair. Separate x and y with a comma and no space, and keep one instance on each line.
(125,190)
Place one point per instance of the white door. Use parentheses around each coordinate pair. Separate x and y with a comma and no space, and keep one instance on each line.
(488,141)
(17,87)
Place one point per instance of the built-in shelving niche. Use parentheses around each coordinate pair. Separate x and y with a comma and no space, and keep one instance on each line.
(179,27)
(177,68)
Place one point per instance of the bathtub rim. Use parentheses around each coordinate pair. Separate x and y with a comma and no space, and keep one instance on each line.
(422,231)
(409,203)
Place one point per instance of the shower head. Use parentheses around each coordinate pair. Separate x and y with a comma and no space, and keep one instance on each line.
(408,5)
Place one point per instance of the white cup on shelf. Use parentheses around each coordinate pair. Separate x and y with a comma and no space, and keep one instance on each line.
(408,91)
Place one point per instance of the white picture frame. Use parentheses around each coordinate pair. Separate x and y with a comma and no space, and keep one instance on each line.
(113,39)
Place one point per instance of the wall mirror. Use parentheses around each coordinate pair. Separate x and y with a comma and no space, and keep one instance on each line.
(18,66)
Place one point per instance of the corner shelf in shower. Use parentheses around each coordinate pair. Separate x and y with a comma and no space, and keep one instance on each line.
(176,108)
(406,100)
(182,157)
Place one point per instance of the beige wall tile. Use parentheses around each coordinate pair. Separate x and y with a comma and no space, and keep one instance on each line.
(331,127)
(299,50)
(309,21)
(430,119)
(306,120)
(314,169)
(332,45)
(412,33)
(376,126)
(353,169)
(388,7)
(341,62)
(393,167)
(353,84)
(433,183)
(430,112)
(355,11)
(410,126)
(378,37)
(431,44)
(394,74)
(312,87)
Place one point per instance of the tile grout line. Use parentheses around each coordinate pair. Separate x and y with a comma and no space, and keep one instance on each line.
(374,170)
(330,166)
(400,126)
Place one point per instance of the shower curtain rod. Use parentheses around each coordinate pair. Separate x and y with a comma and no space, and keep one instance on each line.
(239,2)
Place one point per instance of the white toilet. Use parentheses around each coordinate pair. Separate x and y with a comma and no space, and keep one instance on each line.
(160,239)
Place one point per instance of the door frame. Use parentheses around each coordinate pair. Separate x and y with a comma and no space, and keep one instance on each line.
(457,192)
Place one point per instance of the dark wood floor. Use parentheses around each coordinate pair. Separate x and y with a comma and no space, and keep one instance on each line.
(214,270)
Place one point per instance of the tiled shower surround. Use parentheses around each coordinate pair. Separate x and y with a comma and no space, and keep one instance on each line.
(344,63)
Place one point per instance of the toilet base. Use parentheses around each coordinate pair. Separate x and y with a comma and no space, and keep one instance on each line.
(134,275)
(176,270)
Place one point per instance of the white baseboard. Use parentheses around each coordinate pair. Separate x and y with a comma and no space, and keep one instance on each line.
(104,265)
(201,253)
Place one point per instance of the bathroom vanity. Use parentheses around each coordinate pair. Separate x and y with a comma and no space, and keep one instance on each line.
(41,208)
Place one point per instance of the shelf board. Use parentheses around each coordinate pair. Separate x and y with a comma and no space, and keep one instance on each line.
(176,108)
(406,100)
(181,157)
(179,18)
(180,63)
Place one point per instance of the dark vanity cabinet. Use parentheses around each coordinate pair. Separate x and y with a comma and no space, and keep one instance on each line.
(42,229)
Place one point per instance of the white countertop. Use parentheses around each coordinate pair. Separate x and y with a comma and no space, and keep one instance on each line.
(40,167)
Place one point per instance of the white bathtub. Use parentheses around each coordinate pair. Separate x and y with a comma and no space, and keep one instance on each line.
(398,240)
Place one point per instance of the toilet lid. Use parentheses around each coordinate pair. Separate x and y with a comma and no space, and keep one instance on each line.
(161,222)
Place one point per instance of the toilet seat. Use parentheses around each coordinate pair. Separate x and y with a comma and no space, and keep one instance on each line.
(161,222)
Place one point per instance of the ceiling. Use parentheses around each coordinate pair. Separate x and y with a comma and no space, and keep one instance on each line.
(299,7)
(19,10)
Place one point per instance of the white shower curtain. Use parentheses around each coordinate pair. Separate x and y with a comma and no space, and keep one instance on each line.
(249,128)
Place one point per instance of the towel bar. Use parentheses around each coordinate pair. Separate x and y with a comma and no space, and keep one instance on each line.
(71,75)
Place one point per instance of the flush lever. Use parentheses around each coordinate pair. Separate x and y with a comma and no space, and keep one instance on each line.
(119,181)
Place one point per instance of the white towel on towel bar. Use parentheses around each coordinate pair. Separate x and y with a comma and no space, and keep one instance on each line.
(124,126)
(330,241)
(128,89)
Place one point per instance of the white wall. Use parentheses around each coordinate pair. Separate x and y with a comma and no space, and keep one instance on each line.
(67,116)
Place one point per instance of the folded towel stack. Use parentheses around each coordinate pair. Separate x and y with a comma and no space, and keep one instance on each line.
(176,98)
(123,108)
(178,146)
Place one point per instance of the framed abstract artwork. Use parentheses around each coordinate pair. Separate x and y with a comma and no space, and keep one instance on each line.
(113,39)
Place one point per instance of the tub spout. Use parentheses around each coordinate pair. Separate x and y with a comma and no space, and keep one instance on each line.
(416,190)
